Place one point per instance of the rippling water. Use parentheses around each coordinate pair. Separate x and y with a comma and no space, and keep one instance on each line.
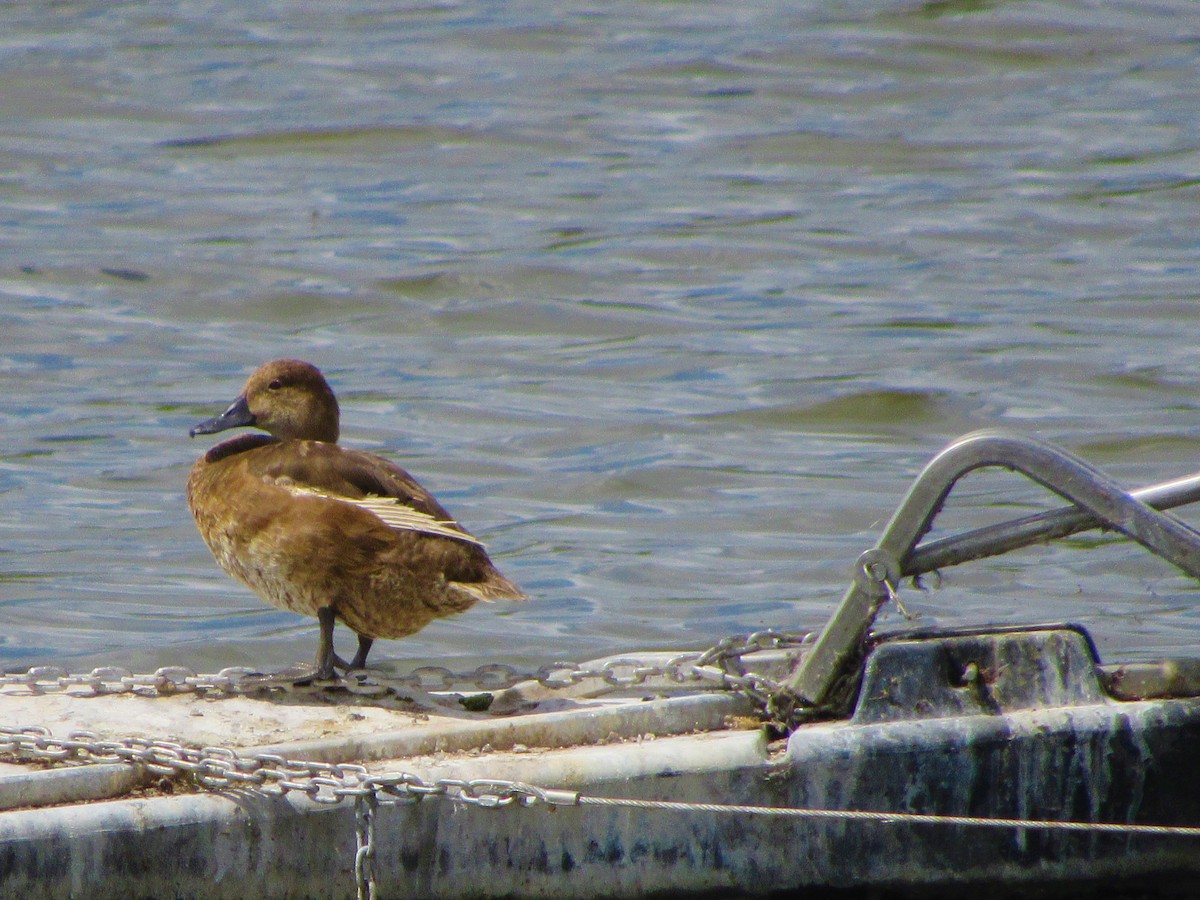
(668,302)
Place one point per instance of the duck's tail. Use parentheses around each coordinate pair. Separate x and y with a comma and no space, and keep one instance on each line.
(492,588)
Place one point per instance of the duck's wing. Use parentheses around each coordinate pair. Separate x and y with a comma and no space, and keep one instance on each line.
(369,482)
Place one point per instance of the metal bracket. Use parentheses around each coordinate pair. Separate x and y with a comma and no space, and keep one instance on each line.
(877,572)
(1098,502)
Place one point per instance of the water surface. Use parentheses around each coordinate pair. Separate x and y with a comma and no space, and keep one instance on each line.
(666,302)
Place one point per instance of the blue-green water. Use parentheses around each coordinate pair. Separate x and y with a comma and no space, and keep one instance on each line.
(668,302)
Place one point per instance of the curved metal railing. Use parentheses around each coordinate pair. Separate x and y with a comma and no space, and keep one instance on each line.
(1097,500)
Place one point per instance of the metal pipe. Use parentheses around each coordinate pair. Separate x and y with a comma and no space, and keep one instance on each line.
(993,540)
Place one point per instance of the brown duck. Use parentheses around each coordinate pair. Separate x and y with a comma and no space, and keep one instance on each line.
(324,531)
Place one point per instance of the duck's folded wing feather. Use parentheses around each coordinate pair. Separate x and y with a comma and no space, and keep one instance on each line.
(394,513)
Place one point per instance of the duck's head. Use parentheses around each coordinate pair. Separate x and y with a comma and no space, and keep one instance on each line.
(286,398)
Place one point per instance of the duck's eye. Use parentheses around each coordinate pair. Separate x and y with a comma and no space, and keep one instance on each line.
(275,385)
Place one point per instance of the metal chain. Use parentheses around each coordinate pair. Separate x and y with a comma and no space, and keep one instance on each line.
(214,768)
(220,768)
(720,666)
(364,854)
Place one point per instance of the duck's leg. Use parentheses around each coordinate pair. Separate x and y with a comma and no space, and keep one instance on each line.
(326,657)
(364,647)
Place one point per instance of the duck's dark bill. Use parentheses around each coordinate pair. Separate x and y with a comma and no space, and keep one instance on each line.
(237,415)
